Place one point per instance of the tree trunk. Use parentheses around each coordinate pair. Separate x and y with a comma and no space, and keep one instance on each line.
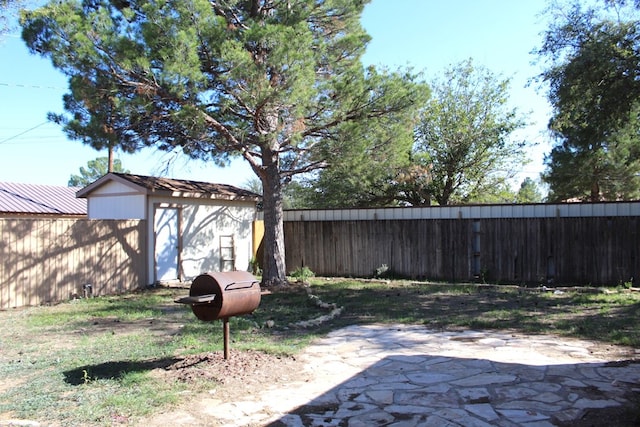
(110,159)
(274,270)
(595,191)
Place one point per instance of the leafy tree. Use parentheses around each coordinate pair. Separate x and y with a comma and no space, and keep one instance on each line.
(94,170)
(253,184)
(594,87)
(464,136)
(364,171)
(271,81)
(528,192)
(413,183)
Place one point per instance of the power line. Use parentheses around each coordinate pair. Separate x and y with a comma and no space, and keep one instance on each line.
(41,140)
(31,86)
(22,133)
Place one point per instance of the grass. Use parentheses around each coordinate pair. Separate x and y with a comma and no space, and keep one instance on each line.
(612,317)
(92,362)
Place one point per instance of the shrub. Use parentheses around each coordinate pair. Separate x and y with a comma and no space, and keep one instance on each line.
(382,272)
(302,274)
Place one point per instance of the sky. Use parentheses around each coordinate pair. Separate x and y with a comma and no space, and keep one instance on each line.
(428,35)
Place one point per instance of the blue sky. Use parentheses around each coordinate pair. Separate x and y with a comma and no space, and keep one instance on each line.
(428,35)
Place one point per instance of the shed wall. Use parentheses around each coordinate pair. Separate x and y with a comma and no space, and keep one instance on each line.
(206,228)
(117,207)
(203,222)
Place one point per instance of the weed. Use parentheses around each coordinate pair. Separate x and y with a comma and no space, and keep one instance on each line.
(382,272)
(85,377)
(254,266)
(302,274)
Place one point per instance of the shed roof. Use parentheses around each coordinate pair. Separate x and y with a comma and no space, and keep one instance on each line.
(40,199)
(172,187)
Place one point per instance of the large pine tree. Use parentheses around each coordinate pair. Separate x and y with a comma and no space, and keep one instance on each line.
(272,81)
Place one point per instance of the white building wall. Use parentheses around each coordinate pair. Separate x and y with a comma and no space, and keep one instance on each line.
(115,200)
(202,224)
(116,207)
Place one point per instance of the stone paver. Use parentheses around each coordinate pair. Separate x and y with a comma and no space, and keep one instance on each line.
(402,375)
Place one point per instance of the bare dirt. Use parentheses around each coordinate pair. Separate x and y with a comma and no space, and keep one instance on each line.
(243,373)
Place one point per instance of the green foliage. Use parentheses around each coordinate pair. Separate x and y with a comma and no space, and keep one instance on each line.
(626,285)
(594,87)
(275,84)
(298,195)
(254,266)
(464,135)
(528,192)
(382,272)
(94,170)
(462,153)
(253,184)
(302,274)
(366,158)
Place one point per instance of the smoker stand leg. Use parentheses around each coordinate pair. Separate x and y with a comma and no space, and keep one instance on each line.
(225,328)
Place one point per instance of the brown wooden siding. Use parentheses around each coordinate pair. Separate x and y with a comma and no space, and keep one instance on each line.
(49,260)
(590,250)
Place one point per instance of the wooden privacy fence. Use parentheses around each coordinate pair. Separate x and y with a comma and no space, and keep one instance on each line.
(578,250)
(49,260)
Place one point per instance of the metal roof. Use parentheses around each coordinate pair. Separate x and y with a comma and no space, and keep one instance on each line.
(40,199)
(173,187)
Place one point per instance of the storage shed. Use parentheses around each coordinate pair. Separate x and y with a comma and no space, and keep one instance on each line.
(193,227)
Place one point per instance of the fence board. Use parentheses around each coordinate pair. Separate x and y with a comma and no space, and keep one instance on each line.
(49,260)
(561,250)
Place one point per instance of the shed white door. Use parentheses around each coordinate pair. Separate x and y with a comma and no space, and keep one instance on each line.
(167,243)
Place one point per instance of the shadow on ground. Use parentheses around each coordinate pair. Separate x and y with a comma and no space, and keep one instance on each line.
(439,390)
(113,370)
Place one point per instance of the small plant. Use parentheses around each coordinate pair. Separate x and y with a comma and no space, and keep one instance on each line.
(85,377)
(382,272)
(482,276)
(302,274)
(254,266)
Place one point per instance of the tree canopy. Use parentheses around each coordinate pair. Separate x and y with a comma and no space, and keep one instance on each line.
(364,172)
(592,55)
(94,170)
(464,136)
(455,147)
(272,81)
(528,192)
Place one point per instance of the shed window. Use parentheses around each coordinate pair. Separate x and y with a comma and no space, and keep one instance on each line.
(227,253)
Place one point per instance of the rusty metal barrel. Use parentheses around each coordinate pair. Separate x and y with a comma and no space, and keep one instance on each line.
(220,295)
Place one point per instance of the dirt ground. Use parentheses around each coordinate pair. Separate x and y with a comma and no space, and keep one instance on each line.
(244,373)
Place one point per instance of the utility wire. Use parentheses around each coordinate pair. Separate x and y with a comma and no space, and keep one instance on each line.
(22,133)
(31,86)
